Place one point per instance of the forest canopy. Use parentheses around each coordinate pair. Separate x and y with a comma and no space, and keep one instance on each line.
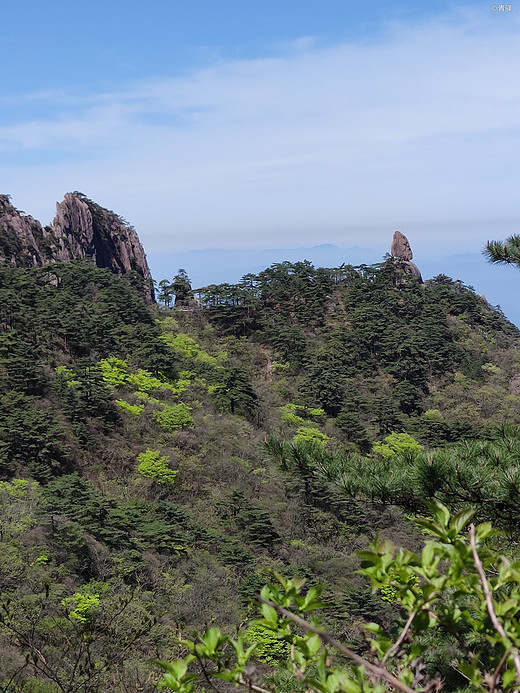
(160,464)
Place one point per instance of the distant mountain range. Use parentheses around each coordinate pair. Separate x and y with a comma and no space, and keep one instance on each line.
(500,285)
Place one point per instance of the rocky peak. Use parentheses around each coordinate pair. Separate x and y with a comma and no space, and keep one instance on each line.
(401,250)
(81,229)
(19,236)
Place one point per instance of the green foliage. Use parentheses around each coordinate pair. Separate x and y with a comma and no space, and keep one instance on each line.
(504,252)
(445,590)
(236,512)
(297,414)
(143,381)
(165,293)
(18,489)
(82,606)
(174,417)
(116,372)
(249,587)
(233,392)
(433,415)
(155,467)
(180,288)
(19,502)
(353,430)
(397,444)
(290,415)
(84,396)
(68,376)
(310,434)
(31,437)
(132,408)
(281,368)
(268,648)
(33,685)
(187,346)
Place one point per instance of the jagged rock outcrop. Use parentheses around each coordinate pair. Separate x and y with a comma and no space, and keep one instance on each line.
(20,237)
(81,229)
(401,250)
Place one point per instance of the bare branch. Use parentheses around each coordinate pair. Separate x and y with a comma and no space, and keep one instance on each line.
(374,669)
(489,597)
(205,673)
(242,681)
(497,671)
(7,687)
(397,644)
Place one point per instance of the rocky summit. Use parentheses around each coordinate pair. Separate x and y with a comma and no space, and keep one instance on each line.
(401,250)
(81,229)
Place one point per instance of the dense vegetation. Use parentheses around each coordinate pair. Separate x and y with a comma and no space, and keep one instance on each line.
(159,465)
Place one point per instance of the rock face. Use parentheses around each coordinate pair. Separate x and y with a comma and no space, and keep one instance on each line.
(514,385)
(81,229)
(400,247)
(20,237)
(401,250)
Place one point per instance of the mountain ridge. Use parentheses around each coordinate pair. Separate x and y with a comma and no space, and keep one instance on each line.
(145,489)
(80,230)
(222,265)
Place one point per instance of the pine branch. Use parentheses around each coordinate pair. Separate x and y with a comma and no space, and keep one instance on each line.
(507,252)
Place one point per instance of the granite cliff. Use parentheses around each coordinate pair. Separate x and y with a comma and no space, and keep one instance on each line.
(81,229)
(400,250)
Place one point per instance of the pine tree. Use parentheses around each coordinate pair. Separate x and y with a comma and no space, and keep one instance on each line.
(507,252)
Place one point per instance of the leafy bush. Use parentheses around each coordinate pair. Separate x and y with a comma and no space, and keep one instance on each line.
(290,416)
(155,467)
(174,416)
(397,444)
(132,408)
(82,606)
(268,647)
(114,371)
(306,433)
(187,346)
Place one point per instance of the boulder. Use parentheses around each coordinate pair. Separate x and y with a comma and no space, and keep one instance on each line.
(401,252)
(400,248)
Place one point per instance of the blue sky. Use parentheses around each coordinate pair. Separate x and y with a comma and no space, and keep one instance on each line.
(267,123)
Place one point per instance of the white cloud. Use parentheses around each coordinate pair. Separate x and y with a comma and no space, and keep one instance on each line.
(420,128)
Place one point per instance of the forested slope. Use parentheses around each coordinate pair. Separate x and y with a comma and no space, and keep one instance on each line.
(157,464)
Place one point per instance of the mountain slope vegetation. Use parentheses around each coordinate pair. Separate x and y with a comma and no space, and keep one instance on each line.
(158,464)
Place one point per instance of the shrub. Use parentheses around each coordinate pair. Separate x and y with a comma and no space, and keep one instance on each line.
(306,433)
(174,416)
(155,467)
(188,347)
(289,414)
(114,371)
(269,648)
(397,444)
(132,408)
(82,606)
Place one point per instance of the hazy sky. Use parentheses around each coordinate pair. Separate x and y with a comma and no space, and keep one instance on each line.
(267,123)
